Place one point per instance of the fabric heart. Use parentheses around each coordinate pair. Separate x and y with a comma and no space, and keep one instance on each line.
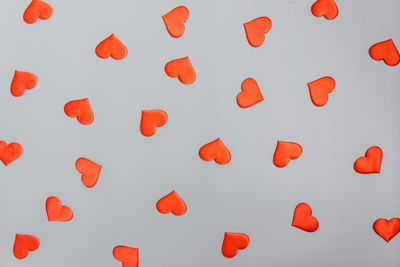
(233,242)
(23,244)
(10,152)
(175,21)
(151,119)
(319,90)
(371,163)
(37,9)
(326,8)
(216,151)
(286,151)
(256,30)
(90,171)
(127,255)
(171,203)
(181,68)
(387,229)
(250,94)
(303,220)
(22,80)
(387,51)
(56,212)
(81,110)
(113,47)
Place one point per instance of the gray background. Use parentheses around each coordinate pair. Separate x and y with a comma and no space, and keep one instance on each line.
(248,195)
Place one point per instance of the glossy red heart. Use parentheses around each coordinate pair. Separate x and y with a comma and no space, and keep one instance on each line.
(182,69)
(22,80)
(256,30)
(37,9)
(285,152)
(24,244)
(233,242)
(250,94)
(171,203)
(127,255)
(56,212)
(387,229)
(90,171)
(175,21)
(371,163)
(151,119)
(303,219)
(81,110)
(320,89)
(385,51)
(113,47)
(10,152)
(215,150)
(326,8)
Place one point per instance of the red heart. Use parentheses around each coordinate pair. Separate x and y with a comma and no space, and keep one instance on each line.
(371,163)
(256,30)
(128,256)
(250,94)
(181,68)
(175,21)
(303,220)
(22,80)
(286,151)
(23,244)
(56,212)
(90,171)
(387,229)
(233,242)
(9,153)
(151,119)
(326,8)
(215,150)
(81,110)
(37,9)
(387,51)
(113,47)
(171,203)
(319,90)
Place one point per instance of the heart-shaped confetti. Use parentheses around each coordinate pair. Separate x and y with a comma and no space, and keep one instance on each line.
(182,69)
(90,171)
(81,110)
(10,152)
(385,51)
(320,89)
(171,203)
(127,255)
(250,94)
(23,244)
(175,21)
(256,30)
(56,212)
(22,80)
(111,47)
(371,162)
(387,229)
(151,119)
(303,219)
(233,242)
(37,9)
(326,8)
(215,150)
(285,152)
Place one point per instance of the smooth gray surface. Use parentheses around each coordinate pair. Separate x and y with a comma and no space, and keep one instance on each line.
(248,195)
